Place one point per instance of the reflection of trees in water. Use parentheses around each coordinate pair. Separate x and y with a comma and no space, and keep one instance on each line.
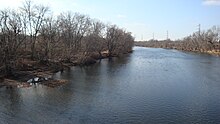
(90,77)
(11,104)
(87,82)
(14,99)
(117,64)
(85,86)
(81,80)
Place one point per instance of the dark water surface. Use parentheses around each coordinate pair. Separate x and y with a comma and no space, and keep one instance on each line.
(149,86)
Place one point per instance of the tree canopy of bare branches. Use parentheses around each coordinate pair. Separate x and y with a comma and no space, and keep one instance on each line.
(204,41)
(31,31)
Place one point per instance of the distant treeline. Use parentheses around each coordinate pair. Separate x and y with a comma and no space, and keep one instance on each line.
(206,41)
(32,32)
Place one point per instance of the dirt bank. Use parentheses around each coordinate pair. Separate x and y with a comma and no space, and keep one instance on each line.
(27,72)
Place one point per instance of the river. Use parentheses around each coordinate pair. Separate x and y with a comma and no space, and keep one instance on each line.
(149,86)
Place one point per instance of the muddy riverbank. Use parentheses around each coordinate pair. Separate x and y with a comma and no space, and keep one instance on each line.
(28,72)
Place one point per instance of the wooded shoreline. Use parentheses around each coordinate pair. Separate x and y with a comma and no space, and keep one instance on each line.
(214,52)
(38,69)
(34,43)
(207,41)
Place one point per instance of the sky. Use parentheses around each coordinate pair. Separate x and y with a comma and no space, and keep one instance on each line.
(141,17)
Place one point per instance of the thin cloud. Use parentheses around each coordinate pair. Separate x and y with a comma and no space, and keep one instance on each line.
(120,16)
(211,2)
(10,3)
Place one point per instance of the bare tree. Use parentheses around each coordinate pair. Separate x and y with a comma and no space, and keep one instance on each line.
(203,41)
(112,38)
(73,28)
(11,37)
(95,41)
(35,15)
(49,38)
(30,31)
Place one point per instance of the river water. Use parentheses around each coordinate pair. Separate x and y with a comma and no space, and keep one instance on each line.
(149,86)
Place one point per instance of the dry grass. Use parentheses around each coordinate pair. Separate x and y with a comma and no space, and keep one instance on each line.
(8,83)
(15,84)
(214,52)
(55,83)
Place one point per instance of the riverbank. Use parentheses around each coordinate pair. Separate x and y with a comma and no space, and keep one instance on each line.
(210,52)
(22,74)
(28,72)
(148,86)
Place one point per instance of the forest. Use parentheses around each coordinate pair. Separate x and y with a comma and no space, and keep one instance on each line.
(207,41)
(31,36)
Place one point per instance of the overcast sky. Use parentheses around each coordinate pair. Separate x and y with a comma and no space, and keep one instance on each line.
(141,17)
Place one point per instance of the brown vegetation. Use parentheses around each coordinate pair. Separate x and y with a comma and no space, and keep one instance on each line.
(54,83)
(203,42)
(32,41)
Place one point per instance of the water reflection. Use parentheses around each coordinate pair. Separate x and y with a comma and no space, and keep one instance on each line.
(148,86)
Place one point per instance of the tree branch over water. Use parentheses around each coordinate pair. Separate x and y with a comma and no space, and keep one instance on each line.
(31,33)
